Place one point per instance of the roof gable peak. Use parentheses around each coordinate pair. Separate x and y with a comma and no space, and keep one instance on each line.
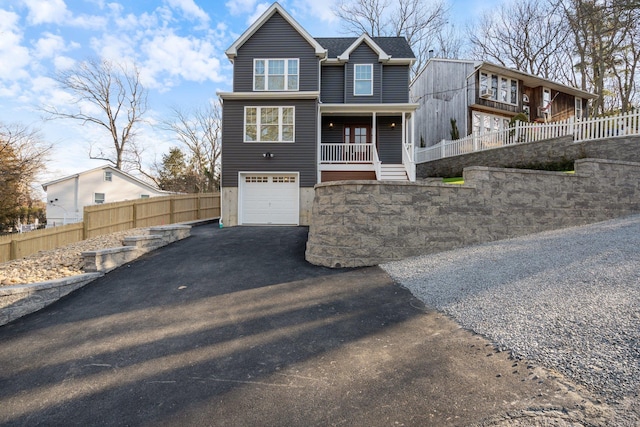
(232,51)
(382,55)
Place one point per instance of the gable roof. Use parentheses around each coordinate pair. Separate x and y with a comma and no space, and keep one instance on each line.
(532,80)
(118,171)
(232,51)
(396,48)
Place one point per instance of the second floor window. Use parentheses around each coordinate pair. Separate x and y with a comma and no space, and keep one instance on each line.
(499,88)
(363,79)
(275,74)
(269,124)
(98,198)
(108,176)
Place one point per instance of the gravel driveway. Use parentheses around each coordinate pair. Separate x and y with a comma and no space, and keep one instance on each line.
(568,299)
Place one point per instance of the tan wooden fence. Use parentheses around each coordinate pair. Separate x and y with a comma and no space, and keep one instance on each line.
(113,217)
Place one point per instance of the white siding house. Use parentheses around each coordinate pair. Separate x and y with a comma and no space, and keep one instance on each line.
(66,197)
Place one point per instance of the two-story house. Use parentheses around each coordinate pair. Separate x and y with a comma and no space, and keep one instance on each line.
(483,97)
(305,110)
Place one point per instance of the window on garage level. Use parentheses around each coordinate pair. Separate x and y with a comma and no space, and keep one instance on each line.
(269,124)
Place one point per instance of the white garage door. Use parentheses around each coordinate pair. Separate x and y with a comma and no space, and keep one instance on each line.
(269,199)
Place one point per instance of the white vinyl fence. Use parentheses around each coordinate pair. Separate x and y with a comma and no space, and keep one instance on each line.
(583,130)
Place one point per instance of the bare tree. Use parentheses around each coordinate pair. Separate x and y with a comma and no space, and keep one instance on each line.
(108,95)
(419,21)
(604,33)
(199,131)
(22,157)
(528,35)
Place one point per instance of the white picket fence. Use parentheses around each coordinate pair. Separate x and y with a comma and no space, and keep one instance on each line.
(582,130)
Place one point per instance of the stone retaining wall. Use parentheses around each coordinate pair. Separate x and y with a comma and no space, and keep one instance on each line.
(19,300)
(558,152)
(361,223)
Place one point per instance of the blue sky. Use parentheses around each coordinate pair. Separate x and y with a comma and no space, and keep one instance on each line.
(178,45)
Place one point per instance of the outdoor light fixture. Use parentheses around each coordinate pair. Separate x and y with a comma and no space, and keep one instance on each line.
(267,155)
(331,125)
(393,125)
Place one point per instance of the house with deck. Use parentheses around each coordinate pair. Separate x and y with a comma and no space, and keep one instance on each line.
(482,98)
(306,110)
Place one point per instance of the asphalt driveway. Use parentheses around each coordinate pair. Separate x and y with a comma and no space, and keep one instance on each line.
(232,327)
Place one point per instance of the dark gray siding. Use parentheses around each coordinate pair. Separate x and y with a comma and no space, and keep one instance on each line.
(332,84)
(390,140)
(363,54)
(299,156)
(395,83)
(275,39)
(335,135)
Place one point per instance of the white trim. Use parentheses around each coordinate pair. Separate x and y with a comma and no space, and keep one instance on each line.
(232,51)
(382,55)
(269,95)
(356,80)
(241,183)
(258,124)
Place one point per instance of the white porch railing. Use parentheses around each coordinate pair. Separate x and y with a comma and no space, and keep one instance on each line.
(346,153)
(583,130)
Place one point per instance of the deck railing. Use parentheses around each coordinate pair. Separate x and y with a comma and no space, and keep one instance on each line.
(346,153)
(583,130)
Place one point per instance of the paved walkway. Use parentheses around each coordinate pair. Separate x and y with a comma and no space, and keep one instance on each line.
(232,327)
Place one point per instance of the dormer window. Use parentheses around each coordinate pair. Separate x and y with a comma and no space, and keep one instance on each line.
(275,74)
(363,80)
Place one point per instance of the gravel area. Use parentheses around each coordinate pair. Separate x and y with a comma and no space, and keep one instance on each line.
(62,262)
(567,299)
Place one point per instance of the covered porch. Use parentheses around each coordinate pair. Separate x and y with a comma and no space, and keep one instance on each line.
(366,141)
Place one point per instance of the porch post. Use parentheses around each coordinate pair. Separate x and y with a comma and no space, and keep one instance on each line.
(318,146)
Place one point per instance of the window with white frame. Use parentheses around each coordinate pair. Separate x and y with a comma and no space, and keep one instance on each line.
(363,80)
(269,124)
(499,88)
(484,123)
(144,196)
(275,74)
(108,176)
(98,198)
(578,108)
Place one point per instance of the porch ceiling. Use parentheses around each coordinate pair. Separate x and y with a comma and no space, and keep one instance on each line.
(367,108)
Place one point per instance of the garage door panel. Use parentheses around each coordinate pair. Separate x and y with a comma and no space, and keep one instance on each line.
(270,199)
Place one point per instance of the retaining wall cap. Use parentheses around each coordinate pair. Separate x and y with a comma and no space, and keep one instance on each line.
(143,237)
(109,251)
(171,227)
(608,162)
(49,284)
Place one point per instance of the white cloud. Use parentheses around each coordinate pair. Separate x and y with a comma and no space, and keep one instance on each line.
(47,11)
(114,46)
(238,7)
(190,9)
(13,56)
(49,46)
(62,63)
(184,57)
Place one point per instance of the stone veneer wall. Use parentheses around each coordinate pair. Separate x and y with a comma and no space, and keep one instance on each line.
(536,155)
(361,223)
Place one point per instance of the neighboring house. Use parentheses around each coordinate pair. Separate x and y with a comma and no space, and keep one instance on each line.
(306,110)
(66,197)
(482,97)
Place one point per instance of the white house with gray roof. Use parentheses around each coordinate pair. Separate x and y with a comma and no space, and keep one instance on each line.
(67,197)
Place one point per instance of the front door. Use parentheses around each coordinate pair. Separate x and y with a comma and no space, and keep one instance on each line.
(358,134)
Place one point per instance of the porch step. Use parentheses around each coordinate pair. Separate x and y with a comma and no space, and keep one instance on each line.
(393,173)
